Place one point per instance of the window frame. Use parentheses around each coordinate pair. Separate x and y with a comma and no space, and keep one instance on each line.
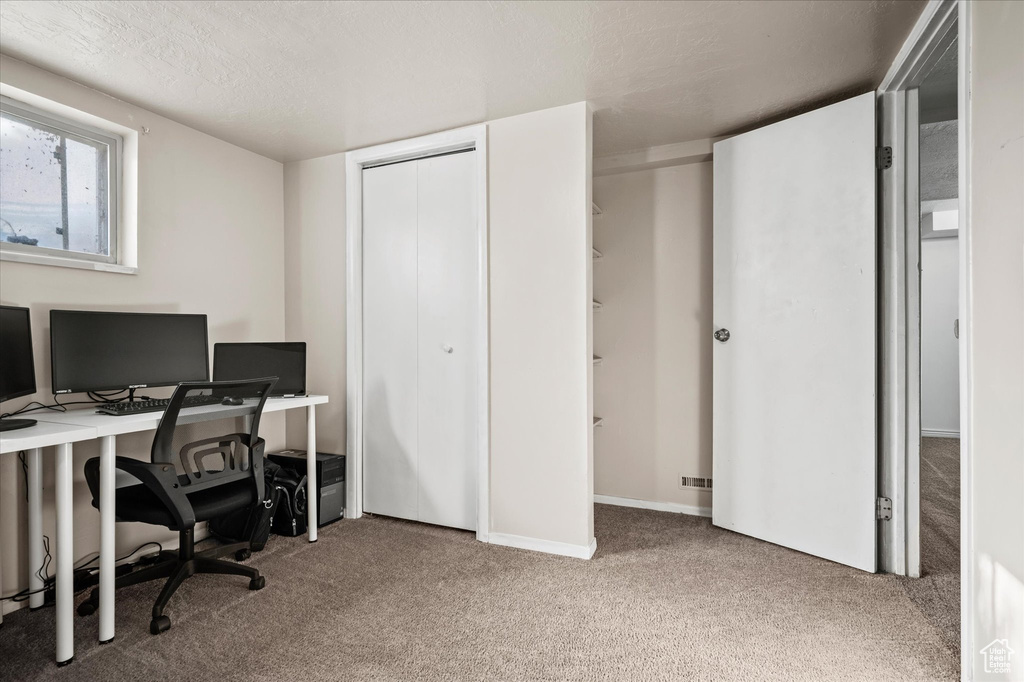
(84,134)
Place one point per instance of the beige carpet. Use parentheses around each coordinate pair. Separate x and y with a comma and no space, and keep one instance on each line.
(937,591)
(667,597)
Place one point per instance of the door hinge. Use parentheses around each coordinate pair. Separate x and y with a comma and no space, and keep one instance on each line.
(883,508)
(883,158)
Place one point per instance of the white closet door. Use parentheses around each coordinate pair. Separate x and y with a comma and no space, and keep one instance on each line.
(390,478)
(448,295)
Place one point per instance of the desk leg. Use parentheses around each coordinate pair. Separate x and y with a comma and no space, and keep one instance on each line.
(65,557)
(34,460)
(108,496)
(311,487)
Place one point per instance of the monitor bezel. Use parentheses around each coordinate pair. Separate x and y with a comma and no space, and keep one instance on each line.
(31,355)
(274,393)
(93,389)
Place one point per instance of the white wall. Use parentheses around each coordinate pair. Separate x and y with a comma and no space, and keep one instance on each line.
(314,261)
(541,434)
(210,239)
(653,388)
(940,361)
(995,432)
(539,184)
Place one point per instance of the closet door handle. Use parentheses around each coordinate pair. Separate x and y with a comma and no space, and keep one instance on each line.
(447,349)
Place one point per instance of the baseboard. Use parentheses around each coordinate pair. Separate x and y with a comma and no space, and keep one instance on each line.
(935,433)
(673,507)
(546,546)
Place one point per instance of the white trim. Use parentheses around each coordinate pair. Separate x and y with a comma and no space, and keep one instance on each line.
(922,47)
(403,150)
(82,264)
(899,228)
(967,609)
(546,546)
(672,507)
(939,433)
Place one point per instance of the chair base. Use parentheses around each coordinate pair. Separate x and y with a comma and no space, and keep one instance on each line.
(176,568)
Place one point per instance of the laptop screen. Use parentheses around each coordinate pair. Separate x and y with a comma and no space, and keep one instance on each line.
(286,361)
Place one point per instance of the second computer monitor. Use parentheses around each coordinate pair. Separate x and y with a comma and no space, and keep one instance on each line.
(100,351)
(17,370)
(286,361)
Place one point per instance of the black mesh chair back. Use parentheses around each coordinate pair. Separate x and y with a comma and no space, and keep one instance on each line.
(218,460)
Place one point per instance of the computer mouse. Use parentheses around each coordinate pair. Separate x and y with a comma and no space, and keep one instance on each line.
(232,400)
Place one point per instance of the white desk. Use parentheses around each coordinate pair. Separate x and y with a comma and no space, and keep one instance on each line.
(107,428)
(32,440)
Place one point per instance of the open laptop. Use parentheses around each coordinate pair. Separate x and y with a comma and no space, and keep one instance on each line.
(286,361)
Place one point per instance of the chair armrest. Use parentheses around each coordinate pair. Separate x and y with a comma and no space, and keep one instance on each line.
(160,479)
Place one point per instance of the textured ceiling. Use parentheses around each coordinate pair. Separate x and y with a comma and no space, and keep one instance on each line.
(938,100)
(294,80)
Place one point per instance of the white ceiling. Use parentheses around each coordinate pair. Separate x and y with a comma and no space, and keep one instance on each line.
(294,80)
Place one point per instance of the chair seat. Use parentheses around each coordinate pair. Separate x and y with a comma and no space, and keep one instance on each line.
(138,503)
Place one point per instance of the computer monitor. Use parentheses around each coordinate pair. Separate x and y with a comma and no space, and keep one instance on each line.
(17,369)
(286,361)
(109,351)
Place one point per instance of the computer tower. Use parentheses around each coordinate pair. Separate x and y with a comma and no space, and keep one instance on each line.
(330,480)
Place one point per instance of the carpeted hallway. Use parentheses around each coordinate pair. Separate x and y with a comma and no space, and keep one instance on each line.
(667,597)
(937,592)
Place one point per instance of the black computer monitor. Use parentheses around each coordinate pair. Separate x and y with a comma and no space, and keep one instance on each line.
(108,351)
(17,369)
(286,361)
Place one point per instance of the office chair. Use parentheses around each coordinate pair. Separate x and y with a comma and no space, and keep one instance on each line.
(220,475)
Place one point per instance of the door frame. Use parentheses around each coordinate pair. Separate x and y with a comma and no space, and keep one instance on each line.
(470,137)
(941,22)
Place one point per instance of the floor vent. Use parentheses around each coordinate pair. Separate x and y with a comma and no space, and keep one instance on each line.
(695,482)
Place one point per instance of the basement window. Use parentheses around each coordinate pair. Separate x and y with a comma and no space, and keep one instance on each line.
(58,189)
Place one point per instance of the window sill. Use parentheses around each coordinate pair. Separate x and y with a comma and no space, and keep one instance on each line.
(81,264)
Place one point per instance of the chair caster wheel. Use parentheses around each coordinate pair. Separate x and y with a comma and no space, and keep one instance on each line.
(86,608)
(257,583)
(243,554)
(159,624)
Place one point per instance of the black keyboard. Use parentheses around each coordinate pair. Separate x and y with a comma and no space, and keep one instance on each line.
(156,405)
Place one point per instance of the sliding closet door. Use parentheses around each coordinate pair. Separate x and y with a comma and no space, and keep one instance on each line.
(448,296)
(390,483)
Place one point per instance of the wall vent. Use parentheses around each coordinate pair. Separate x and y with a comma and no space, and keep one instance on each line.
(695,482)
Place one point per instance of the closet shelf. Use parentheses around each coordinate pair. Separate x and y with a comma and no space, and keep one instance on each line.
(598,421)
(598,305)
(597,254)
(598,359)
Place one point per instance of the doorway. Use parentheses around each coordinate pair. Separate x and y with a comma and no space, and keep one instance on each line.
(459,156)
(937,592)
(923,268)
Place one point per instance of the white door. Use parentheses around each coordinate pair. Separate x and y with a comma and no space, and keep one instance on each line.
(390,402)
(794,380)
(448,294)
(421,311)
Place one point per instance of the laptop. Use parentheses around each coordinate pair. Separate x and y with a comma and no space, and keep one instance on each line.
(286,361)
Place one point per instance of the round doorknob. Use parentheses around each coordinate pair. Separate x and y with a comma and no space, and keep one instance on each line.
(447,349)
(722,335)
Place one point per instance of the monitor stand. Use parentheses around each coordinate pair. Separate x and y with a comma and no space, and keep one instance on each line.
(12,424)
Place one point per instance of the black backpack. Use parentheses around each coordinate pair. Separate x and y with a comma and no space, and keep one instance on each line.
(290,512)
(252,524)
